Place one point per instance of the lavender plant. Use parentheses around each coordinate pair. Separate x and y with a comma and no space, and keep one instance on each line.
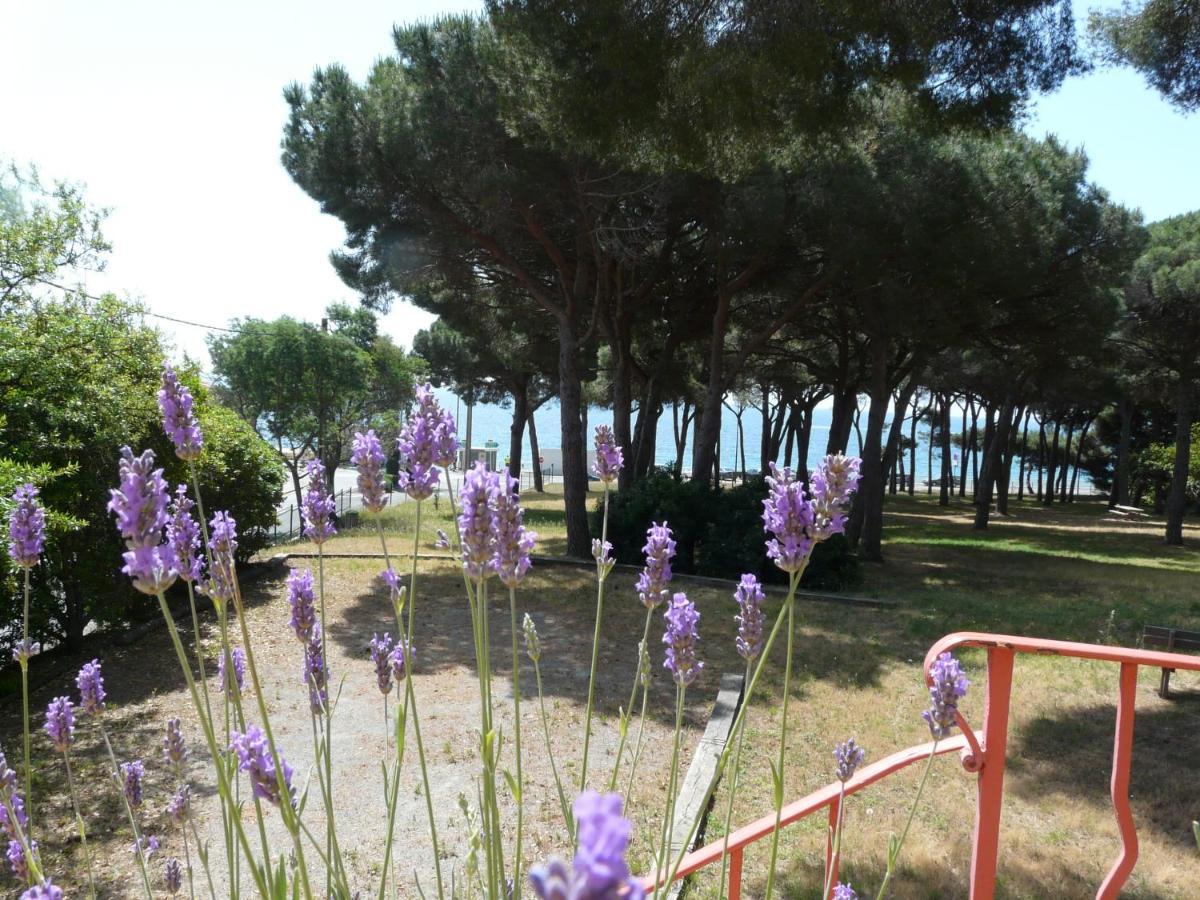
(26,541)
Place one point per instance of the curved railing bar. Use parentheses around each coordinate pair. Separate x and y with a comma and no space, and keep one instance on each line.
(973,747)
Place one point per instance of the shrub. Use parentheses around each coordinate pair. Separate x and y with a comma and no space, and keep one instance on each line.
(718,532)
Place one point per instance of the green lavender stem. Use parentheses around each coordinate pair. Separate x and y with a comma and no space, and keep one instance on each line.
(27,760)
(516,654)
(568,819)
(668,824)
(733,786)
(638,744)
(35,870)
(637,679)
(80,827)
(787,693)
(835,844)
(894,849)
(587,722)
(202,852)
(137,834)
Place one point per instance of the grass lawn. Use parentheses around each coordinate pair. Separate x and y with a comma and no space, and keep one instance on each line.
(1065,573)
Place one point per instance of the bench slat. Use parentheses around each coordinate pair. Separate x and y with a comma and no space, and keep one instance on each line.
(1160,636)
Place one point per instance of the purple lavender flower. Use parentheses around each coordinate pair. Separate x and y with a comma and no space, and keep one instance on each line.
(849,757)
(25,649)
(401,659)
(90,682)
(835,479)
(179,421)
(381,647)
(174,746)
(140,505)
(140,502)
(10,798)
(239,669)
(600,871)
(132,774)
(181,804)
(659,550)
(948,686)
(513,541)
(477,525)
(316,672)
(60,723)
(47,891)
(426,441)
(26,527)
(173,875)
(608,455)
(318,507)
(302,602)
(680,637)
(17,861)
(443,541)
(254,758)
(222,544)
(843,892)
(788,517)
(147,846)
(183,534)
(749,596)
(368,457)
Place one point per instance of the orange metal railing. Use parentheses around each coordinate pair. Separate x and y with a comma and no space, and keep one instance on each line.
(983,754)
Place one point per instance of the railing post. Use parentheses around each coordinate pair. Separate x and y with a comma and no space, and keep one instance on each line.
(1122,758)
(990,801)
(735,873)
(831,861)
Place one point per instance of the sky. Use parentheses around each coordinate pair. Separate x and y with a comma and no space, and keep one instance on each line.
(171,116)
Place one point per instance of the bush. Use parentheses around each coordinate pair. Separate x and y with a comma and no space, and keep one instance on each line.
(718,532)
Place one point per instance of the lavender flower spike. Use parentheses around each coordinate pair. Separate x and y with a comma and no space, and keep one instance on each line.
(239,669)
(381,647)
(600,871)
(609,459)
(140,505)
(533,644)
(368,457)
(788,518)
(302,601)
(843,892)
(172,875)
(183,534)
(179,420)
(749,596)
(133,774)
(318,507)
(477,523)
(90,682)
(11,799)
(17,861)
(401,659)
(680,637)
(60,723)
(834,481)
(426,441)
(659,550)
(443,541)
(181,804)
(222,543)
(849,757)
(26,528)
(316,673)
(513,541)
(948,687)
(254,758)
(47,891)
(174,746)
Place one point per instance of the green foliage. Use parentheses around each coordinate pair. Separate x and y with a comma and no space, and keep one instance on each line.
(1160,39)
(78,380)
(717,532)
(1153,467)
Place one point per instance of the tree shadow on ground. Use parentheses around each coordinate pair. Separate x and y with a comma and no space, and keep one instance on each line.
(1071,755)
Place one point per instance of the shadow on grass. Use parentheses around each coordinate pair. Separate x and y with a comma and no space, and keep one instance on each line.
(1071,755)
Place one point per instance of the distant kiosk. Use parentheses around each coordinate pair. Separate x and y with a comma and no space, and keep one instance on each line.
(487,453)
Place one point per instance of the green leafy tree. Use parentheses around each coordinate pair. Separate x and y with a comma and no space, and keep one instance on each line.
(309,389)
(1160,39)
(1163,300)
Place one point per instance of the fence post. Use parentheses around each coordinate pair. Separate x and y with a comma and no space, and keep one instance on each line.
(990,801)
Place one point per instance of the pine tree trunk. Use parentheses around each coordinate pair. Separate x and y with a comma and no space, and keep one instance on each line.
(1052,470)
(947,477)
(1120,492)
(765,436)
(867,525)
(1177,498)
(536,462)
(1024,454)
(516,431)
(571,413)
(912,448)
(994,444)
(1041,455)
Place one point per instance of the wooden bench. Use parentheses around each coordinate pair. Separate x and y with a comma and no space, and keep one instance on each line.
(1172,640)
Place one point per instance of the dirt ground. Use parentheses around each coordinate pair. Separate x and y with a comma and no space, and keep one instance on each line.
(145,687)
